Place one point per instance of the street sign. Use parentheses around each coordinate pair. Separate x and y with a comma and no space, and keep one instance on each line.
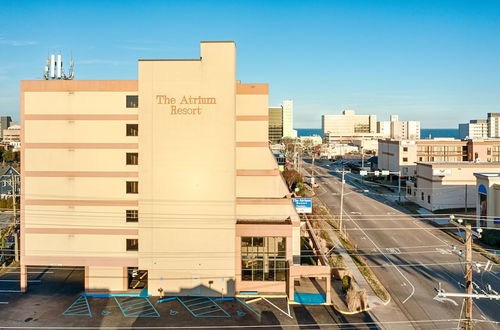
(363,173)
(302,205)
(385,172)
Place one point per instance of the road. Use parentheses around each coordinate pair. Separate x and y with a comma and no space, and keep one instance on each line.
(409,256)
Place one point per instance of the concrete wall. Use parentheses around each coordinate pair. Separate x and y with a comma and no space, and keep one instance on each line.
(73,176)
(188,177)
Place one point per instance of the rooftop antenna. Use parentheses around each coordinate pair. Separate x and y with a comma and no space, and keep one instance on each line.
(54,70)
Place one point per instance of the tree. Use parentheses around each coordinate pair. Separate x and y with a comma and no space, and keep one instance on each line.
(292,178)
(8,156)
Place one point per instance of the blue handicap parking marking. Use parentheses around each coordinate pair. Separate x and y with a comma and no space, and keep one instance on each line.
(240,313)
(136,307)
(172,312)
(80,307)
(203,307)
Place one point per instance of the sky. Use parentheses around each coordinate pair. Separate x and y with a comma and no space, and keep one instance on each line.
(436,61)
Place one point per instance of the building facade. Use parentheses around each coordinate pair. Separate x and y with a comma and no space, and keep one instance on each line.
(164,182)
(475,129)
(402,155)
(450,185)
(275,124)
(488,199)
(348,125)
(494,124)
(401,130)
(4,124)
(281,122)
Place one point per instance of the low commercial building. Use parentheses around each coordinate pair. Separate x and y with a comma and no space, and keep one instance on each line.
(312,140)
(488,199)
(446,185)
(165,183)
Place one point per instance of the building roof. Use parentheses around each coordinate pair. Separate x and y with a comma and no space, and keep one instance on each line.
(488,175)
(460,164)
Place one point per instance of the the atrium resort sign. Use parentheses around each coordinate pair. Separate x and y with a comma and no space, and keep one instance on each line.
(185,105)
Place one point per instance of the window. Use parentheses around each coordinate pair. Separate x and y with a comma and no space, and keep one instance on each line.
(132,187)
(132,244)
(422,196)
(405,149)
(429,199)
(132,215)
(132,101)
(263,258)
(420,159)
(405,159)
(132,129)
(132,158)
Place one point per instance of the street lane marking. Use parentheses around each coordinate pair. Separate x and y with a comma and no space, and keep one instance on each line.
(380,250)
(393,251)
(443,251)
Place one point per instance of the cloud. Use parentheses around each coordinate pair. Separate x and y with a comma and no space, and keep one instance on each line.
(17,43)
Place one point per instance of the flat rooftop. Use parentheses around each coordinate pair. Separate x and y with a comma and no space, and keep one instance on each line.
(488,175)
(487,164)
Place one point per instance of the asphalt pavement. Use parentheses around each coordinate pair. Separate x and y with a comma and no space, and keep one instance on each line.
(410,257)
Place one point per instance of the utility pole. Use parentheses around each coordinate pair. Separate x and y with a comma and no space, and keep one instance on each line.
(399,186)
(465,199)
(13,185)
(468,267)
(342,202)
(312,170)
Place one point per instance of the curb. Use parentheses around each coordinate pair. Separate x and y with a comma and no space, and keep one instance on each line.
(361,311)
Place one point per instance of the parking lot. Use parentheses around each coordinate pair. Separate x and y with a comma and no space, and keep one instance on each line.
(56,299)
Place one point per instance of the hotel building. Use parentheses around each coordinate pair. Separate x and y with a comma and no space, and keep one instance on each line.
(348,126)
(474,129)
(402,155)
(164,182)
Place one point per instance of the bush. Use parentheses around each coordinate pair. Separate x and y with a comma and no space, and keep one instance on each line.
(346,283)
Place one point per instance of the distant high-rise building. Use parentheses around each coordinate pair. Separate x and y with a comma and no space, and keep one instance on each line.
(275,124)
(288,130)
(395,129)
(281,122)
(494,124)
(4,124)
(475,129)
(348,125)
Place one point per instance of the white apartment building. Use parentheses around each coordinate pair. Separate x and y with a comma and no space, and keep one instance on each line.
(288,130)
(395,129)
(348,125)
(494,124)
(474,129)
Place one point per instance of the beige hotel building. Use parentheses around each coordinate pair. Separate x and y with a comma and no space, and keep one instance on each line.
(165,182)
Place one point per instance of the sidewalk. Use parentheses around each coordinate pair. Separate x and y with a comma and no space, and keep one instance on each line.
(373,299)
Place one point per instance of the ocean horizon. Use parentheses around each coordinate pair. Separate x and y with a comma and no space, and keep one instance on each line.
(425,133)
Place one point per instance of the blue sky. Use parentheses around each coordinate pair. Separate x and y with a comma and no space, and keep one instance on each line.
(436,61)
